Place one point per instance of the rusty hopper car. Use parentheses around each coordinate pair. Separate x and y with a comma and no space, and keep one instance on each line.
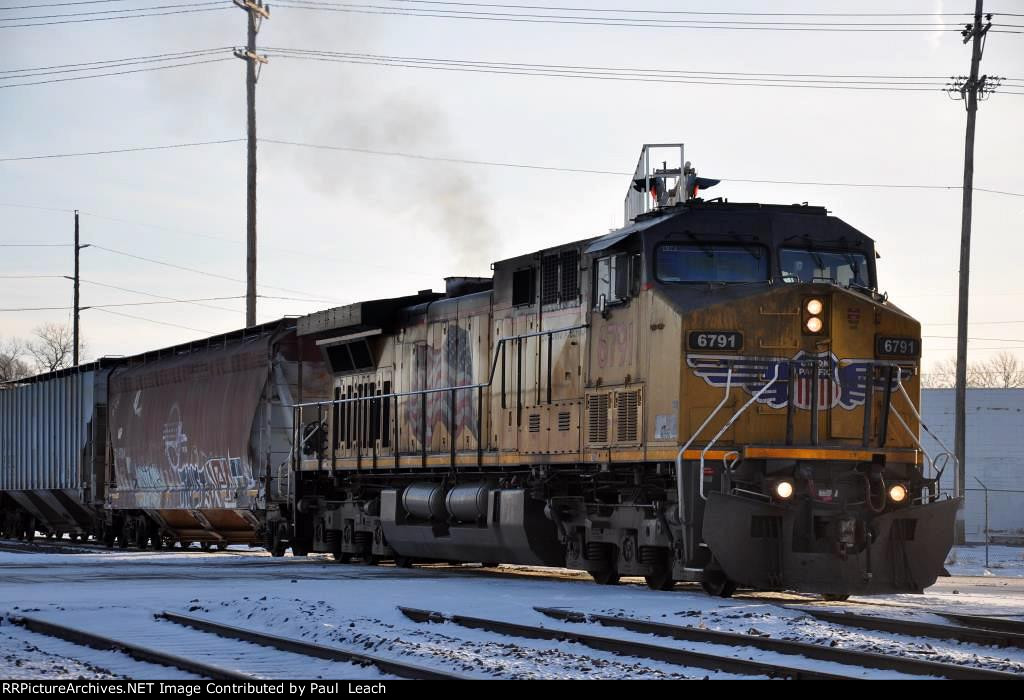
(200,437)
(716,392)
(53,444)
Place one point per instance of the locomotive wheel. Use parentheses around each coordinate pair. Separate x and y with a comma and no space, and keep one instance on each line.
(661,581)
(716,584)
(403,562)
(607,577)
(205,546)
(342,557)
(141,538)
(835,597)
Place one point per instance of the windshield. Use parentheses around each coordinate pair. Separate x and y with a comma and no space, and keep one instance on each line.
(711,263)
(824,266)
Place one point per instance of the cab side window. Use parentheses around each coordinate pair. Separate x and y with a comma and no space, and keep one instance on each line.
(616,278)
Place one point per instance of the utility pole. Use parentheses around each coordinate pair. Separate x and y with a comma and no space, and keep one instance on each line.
(75,336)
(256,12)
(969,89)
(74,352)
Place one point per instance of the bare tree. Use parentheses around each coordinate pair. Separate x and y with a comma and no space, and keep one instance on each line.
(943,375)
(1004,371)
(11,365)
(53,347)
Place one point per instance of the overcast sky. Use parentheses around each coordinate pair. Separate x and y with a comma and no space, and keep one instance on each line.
(341,226)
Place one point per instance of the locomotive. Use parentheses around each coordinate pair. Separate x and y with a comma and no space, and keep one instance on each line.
(716,392)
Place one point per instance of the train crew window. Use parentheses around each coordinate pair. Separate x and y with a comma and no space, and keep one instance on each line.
(842,267)
(706,262)
(616,277)
(523,287)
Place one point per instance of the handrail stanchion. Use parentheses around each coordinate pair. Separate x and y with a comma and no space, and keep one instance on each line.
(682,450)
(728,425)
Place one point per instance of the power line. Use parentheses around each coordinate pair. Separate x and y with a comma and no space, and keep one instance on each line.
(35,245)
(465,161)
(116,11)
(626,21)
(150,320)
(30,277)
(201,272)
(104,75)
(160,296)
(131,303)
(641,75)
(133,149)
(109,19)
(112,62)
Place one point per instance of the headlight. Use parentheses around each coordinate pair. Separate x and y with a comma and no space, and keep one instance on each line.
(897,493)
(784,489)
(814,324)
(815,307)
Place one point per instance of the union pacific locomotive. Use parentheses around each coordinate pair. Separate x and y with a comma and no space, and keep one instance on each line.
(716,392)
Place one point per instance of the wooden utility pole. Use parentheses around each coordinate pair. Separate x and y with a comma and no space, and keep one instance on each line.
(74,333)
(78,309)
(256,12)
(969,91)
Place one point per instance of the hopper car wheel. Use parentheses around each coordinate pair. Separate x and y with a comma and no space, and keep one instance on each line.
(660,581)
(205,546)
(372,559)
(141,538)
(342,557)
(717,584)
(278,544)
(835,597)
(608,577)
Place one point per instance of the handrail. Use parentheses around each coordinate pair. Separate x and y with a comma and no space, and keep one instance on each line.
(728,425)
(499,351)
(679,455)
(440,390)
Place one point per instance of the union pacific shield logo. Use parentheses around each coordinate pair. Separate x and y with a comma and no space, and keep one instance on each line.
(841,384)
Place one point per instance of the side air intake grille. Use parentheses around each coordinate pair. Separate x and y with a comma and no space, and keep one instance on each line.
(627,404)
(597,419)
(564,419)
(534,423)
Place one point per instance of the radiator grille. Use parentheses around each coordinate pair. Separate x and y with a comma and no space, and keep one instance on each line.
(597,418)
(534,422)
(627,403)
(549,280)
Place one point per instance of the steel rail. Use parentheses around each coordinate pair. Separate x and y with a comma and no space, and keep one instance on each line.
(137,652)
(852,657)
(398,668)
(625,647)
(998,624)
(971,635)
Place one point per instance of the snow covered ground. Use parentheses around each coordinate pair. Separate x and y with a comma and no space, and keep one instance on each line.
(970,561)
(355,607)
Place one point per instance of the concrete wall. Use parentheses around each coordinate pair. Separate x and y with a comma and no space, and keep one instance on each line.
(995,455)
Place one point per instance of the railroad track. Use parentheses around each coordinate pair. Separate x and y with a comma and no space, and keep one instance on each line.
(386,665)
(988,623)
(135,651)
(681,657)
(849,657)
(986,636)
